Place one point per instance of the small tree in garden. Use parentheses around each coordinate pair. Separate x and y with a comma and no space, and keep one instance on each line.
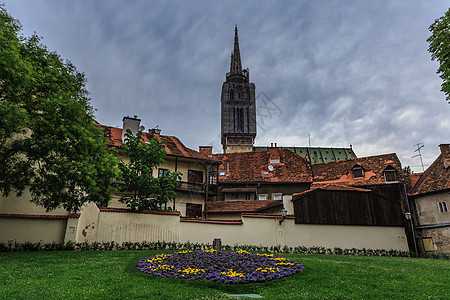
(141,189)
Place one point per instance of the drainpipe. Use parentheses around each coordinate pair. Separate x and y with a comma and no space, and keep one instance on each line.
(206,190)
(411,220)
(176,169)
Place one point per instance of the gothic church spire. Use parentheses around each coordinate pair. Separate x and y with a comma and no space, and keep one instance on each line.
(236,65)
(238,113)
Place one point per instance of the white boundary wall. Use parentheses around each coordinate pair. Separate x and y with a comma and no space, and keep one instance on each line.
(265,231)
(27,223)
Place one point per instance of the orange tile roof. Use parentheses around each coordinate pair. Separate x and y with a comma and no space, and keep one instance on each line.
(211,221)
(241,206)
(340,172)
(411,180)
(127,210)
(173,145)
(267,216)
(437,176)
(254,167)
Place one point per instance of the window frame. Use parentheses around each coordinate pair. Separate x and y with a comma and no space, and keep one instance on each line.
(355,169)
(390,171)
(194,207)
(277,195)
(262,195)
(195,176)
(162,172)
(442,206)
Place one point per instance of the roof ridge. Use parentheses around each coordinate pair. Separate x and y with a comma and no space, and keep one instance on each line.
(426,173)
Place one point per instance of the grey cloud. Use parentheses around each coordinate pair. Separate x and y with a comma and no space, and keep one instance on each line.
(343,71)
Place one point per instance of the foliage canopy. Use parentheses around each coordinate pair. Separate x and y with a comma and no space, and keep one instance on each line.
(439,47)
(141,189)
(48,138)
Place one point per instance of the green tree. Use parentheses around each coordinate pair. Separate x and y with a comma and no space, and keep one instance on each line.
(407,170)
(48,138)
(439,47)
(141,189)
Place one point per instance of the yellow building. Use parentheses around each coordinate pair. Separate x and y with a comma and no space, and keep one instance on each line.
(199,171)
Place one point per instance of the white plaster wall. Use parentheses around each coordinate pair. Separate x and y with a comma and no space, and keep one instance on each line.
(268,232)
(86,230)
(32,230)
(344,236)
(257,231)
(22,205)
(428,210)
(136,227)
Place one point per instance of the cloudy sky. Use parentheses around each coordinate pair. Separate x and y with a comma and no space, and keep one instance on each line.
(344,72)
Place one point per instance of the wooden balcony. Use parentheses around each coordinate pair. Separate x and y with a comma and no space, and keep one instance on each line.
(191,187)
(196,187)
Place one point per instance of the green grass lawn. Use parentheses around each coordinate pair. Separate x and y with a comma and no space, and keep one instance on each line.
(112,274)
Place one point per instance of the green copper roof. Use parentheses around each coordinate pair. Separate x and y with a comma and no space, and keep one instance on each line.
(317,155)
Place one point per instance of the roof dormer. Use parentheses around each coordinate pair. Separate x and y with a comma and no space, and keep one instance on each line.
(358,171)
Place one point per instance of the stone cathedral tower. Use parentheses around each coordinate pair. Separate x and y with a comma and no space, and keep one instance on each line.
(238,111)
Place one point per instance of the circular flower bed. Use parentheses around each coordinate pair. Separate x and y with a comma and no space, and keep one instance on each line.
(226,267)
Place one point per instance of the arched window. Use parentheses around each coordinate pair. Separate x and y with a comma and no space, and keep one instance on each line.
(390,174)
(248,121)
(233,118)
(240,123)
(358,171)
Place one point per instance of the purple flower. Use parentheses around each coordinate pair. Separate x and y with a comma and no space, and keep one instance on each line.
(226,267)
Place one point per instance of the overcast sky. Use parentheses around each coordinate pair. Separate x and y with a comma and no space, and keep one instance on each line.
(345,72)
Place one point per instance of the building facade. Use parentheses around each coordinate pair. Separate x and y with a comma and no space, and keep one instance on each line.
(199,172)
(430,197)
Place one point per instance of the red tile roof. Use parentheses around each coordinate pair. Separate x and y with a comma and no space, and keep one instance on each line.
(251,167)
(411,180)
(340,172)
(437,176)
(268,216)
(211,221)
(47,216)
(127,210)
(241,206)
(173,145)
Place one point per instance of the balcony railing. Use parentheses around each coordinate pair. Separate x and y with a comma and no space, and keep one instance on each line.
(196,187)
(191,187)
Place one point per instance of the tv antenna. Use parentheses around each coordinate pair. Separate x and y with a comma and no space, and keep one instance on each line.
(419,146)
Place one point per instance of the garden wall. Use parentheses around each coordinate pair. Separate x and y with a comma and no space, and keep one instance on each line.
(263,230)
(23,221)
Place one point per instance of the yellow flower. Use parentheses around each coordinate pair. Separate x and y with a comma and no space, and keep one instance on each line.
(265,255)
(232,273)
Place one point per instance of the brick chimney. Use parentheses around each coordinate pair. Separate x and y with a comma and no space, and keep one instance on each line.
(445,149)
(154,131)
(131,123)
(206,150)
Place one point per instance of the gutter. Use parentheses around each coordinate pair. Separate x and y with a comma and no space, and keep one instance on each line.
(411,220)
(433,226)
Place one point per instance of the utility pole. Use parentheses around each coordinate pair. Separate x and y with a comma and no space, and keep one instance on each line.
(419,146)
